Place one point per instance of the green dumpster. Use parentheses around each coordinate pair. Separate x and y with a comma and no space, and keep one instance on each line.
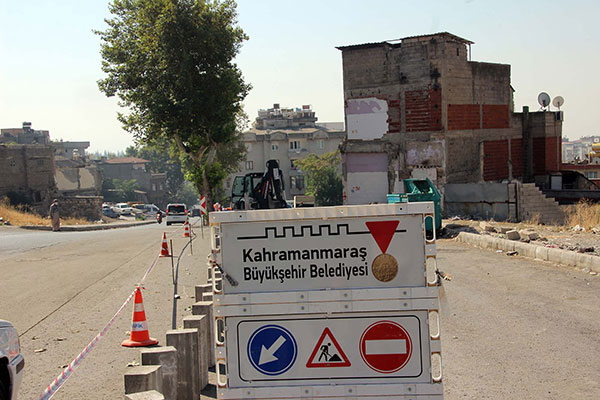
(420,190)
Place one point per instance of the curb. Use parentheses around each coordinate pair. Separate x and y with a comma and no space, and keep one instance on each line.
(84,228)
(559,256)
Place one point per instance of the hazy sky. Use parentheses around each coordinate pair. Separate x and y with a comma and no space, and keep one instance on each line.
(50,62)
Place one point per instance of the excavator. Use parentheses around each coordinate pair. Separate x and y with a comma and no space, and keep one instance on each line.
(259,191)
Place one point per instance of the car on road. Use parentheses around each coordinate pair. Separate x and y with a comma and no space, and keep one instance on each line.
(123,209)
(176,213)
(109,212)
(147,210)
(11,361)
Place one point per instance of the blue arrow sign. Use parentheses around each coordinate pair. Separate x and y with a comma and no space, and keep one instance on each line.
(272,349)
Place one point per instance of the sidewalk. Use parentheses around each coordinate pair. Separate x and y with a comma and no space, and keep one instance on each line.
(91,227)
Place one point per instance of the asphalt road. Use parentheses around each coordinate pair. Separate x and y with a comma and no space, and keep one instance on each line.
(511,328)
(62,288)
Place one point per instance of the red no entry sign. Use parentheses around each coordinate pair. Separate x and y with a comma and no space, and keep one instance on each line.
(385,346)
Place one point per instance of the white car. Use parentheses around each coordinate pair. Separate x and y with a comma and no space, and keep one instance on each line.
(123,209)
(176,213)
(11,361)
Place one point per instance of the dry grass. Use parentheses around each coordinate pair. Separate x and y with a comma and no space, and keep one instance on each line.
(585,214)
(533,220)
(19,216)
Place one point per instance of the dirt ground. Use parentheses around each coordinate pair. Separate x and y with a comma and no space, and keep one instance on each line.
(574,239)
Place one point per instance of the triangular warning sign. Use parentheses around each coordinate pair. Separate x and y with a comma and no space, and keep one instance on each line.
(327,353)
(382,232)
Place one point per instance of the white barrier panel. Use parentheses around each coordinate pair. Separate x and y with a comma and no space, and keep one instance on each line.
(330,252)
(326,303)
(316,349)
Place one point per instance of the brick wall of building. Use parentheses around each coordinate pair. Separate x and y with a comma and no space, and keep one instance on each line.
(423,110)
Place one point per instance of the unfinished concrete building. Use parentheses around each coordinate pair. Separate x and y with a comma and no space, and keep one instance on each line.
(418,107)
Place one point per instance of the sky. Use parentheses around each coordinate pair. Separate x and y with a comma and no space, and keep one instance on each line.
(50,59)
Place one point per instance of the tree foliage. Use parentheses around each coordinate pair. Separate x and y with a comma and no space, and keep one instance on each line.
(117,190)
(162,158)
(323,180)
(170,62)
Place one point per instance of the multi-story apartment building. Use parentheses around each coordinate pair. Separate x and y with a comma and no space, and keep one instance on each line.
(287,135)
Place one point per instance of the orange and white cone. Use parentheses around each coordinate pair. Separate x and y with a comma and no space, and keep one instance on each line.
(139,335)
(164,251)
(186,230)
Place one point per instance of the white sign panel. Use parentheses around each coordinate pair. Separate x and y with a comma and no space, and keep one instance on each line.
(311,254)
(315,349)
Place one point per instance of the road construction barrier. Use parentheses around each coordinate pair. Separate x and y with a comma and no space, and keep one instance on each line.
(326,302)
(139,335)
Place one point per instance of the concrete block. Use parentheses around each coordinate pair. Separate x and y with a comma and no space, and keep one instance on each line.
(529,250)
(207,297)
(569,258)
(554,255)
(188,376)
(487,227)
(200,322)
(513,235)
(541,253)
(143,378)
(595,266)
(507,245)
(166,357)
(206,308)
(528,234)
(148,395)
(199,289)
(504,229)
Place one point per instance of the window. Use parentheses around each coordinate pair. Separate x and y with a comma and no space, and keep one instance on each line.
(591,174)
(297,182)
(294,145)
(161,186)
(154,187)
(274,147)
(249,165)
(320,144)
(292,164)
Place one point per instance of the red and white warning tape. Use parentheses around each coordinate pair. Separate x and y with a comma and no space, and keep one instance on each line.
(66,373)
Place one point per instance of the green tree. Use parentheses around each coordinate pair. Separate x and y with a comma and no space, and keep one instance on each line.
(124,189)
(163,159)
(170,62)
(323,180)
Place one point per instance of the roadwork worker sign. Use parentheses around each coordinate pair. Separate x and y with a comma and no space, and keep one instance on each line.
(337,253)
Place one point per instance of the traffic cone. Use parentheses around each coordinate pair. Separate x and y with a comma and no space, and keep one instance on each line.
(139,335)
(164,251)
(186,230)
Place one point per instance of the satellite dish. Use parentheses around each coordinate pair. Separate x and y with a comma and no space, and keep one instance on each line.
(544,99)
(558,101)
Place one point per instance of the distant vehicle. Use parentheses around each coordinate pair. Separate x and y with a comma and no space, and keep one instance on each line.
(123,209)
(109,212)
(196,212)
(257,190)
(150,210)
(11,361)
(176,213)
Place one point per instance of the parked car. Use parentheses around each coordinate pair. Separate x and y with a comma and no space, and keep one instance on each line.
(109,212)
(196,212)
(176,213)
(123,209)
(11,361)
